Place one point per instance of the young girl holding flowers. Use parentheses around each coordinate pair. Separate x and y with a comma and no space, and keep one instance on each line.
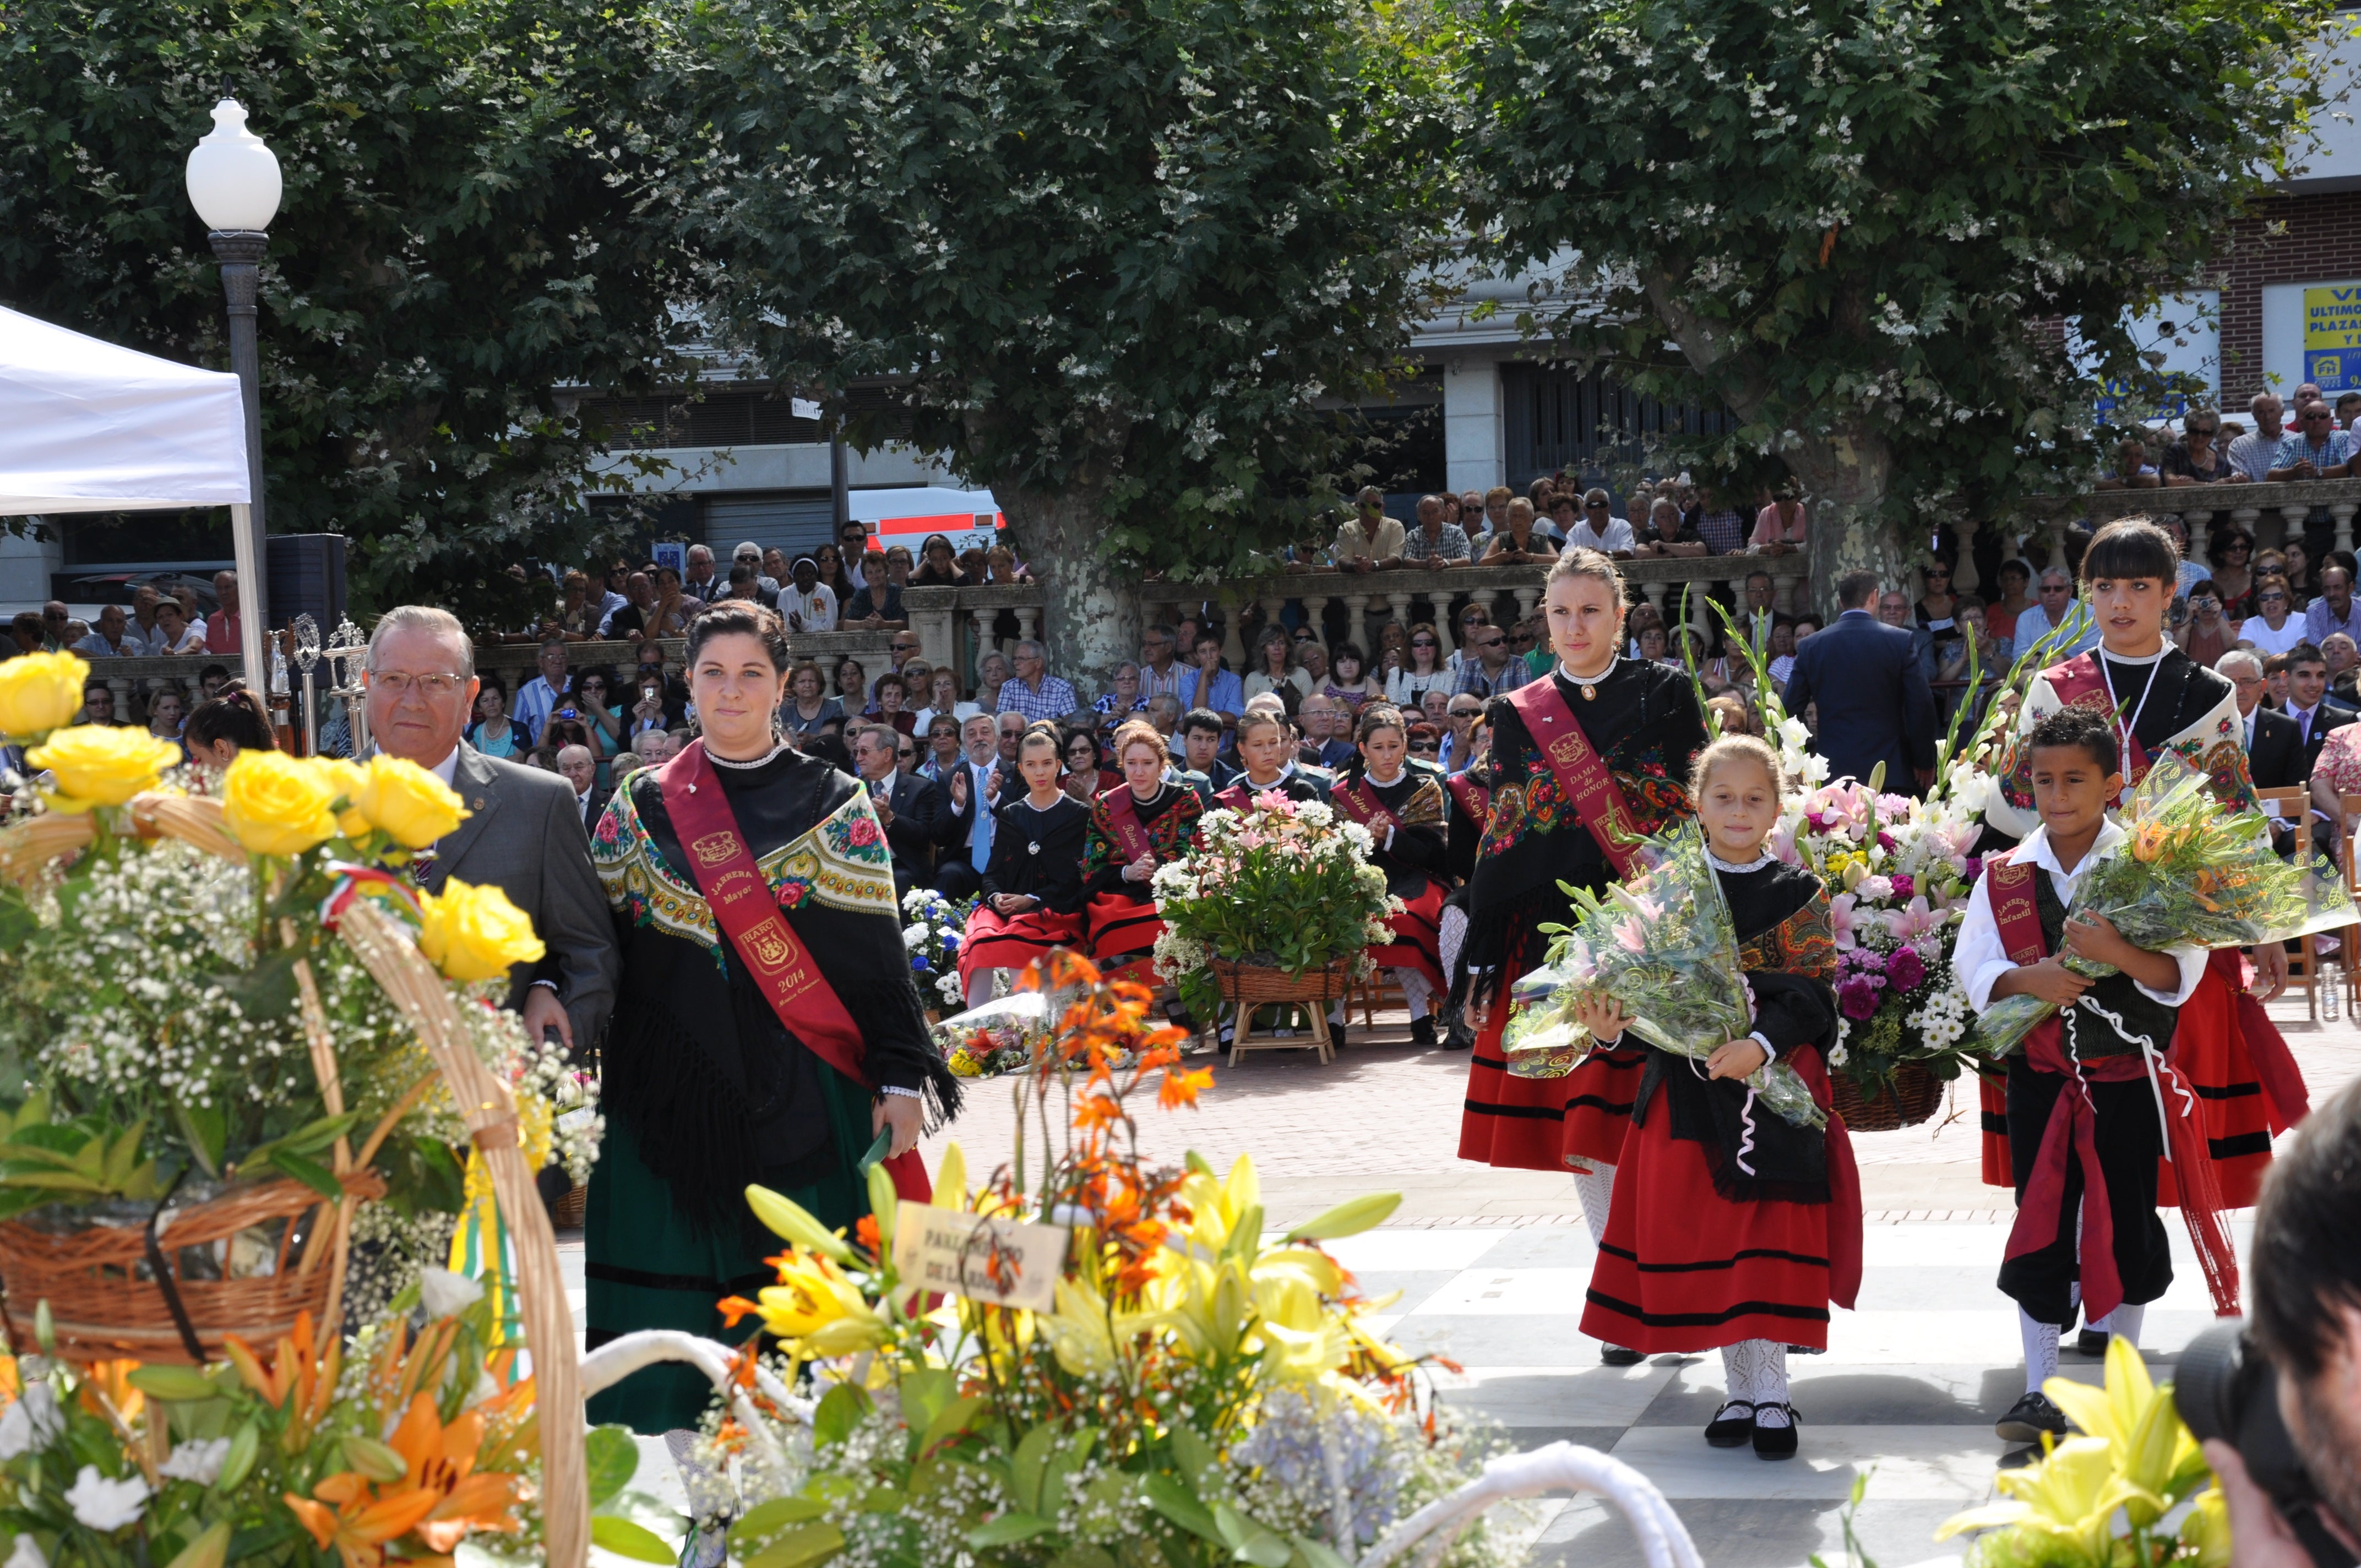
(1730,1228)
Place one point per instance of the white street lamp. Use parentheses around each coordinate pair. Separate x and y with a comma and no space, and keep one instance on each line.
(234,184)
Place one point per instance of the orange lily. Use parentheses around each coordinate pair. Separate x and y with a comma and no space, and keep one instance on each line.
(1181,1087)
(296,1371)
(440,1499)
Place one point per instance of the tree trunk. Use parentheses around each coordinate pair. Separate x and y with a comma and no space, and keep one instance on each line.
(1090,612)
(1846,480)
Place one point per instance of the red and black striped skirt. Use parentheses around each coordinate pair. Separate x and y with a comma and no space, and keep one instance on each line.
(1684,1268)
(2245,1080)
(1546,1124)
(994,940)
(1416,941)
(1122,931)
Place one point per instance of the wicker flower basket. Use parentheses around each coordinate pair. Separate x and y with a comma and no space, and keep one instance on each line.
(107,1301)
(105,1282)
(1912,1099)
(1252,986)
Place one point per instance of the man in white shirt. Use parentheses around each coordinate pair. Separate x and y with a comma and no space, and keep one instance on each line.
(143,634)
(1599,529)
(540,695)
(806,603)
(2058,607)
(1370,541)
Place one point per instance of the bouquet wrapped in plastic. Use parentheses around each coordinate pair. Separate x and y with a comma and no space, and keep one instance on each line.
(2190,873)
(1661,944)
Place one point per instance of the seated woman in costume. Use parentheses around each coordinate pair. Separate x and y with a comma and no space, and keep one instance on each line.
(1407,813)
(1142,823)
(1266,752)
(1033,883)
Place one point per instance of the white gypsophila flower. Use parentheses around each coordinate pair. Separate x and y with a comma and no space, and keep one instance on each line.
(914,936)
(446,1295)
(25,1553)
(31,1422)
(107,1506)
(200,1461)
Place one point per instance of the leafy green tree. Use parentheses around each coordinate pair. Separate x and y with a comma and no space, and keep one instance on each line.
(473,221)
(1861,223)
(1111,256)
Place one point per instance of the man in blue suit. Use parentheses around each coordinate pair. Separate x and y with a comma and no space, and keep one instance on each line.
(1873,702)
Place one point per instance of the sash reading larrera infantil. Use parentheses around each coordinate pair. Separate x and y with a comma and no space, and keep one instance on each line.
(1578,771)
(782,967)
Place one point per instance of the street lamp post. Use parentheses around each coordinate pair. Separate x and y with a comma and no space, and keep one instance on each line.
(234,184)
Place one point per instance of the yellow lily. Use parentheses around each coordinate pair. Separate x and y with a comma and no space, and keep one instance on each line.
(1079,1335)
(816,1310)
(950,1180)
(2146,1441)
(2069,1496)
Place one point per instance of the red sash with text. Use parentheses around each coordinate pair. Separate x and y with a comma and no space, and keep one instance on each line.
(1362,804)
(1472,798)
(1578,771)
(2079,683)
(1130,833)
(2071,1136)
(759,931)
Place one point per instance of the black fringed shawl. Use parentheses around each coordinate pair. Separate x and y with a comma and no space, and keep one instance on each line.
(1645,726)
(1787,949)
(715,1090)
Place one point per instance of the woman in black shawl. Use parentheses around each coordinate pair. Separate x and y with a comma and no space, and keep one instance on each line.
(705,1089)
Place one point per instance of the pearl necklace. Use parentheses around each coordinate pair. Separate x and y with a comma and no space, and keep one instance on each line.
(722,761)
(1589,683)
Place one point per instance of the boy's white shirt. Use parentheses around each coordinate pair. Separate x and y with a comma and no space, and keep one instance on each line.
(1980,958)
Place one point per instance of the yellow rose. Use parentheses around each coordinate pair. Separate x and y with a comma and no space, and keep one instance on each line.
(38,693)
(474,933)
(278,805)
(410,804)
(347,779)
(98,764)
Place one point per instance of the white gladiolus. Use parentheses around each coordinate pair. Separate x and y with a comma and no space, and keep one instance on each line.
(25,1553)
(31,1422)
(200,1461)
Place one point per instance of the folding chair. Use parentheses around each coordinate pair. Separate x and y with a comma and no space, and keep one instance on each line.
(2348,808)
(2294,802)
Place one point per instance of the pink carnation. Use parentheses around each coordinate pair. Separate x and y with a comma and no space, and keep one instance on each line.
(1907,970)
(1857,998)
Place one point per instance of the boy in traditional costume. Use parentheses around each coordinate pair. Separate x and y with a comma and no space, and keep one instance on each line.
(2094,1100)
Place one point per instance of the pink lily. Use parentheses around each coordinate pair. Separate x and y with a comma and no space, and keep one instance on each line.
(1913,920)
(1841,918)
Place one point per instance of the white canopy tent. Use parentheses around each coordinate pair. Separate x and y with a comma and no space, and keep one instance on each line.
(86,426)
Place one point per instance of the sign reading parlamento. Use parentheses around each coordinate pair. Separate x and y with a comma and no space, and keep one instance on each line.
(996,1261)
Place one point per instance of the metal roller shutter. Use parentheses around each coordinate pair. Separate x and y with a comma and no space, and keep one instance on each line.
(795,524)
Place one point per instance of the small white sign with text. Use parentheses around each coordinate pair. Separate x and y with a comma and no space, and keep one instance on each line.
(1004,1262)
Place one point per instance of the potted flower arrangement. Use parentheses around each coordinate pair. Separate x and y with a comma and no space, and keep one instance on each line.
(935,927)
(1192,1389)
(1276,904)
(226,1025)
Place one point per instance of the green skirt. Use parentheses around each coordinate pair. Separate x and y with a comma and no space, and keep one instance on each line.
(647,1267)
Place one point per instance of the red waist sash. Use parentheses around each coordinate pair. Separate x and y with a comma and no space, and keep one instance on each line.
(761,934)
(1578,771)
(2072,1134)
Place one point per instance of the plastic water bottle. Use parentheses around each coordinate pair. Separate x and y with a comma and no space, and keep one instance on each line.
(2332,991)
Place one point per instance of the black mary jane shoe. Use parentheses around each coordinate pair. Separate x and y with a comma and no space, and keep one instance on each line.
(1728,1431)
(1421,1031)
(1617,1355)
(2092,1343)
(1457,1035)
(1775,1443)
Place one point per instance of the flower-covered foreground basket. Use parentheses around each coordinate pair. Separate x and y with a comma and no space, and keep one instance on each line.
(88,1277)
(108,1300)
(1912,1096)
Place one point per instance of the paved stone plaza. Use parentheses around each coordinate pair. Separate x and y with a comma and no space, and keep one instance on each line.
(1491,1267)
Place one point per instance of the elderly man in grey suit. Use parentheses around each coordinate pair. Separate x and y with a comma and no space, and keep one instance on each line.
(523,833)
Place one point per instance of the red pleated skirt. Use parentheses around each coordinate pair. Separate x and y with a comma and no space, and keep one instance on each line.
(2247,1081)
(1123,932)
(1546,1124)
(994,940)
(1684,1268)
(1416,941)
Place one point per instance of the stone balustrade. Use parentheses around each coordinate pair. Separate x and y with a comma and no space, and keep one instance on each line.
(2272,513)
(958,623)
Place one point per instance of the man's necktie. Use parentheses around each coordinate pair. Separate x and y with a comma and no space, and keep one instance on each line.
(980,842)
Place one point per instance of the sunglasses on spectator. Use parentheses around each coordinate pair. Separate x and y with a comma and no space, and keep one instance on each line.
(1307,635)
(1466,713)
(1422,748)
(1594,506)
(1423,642)
(1522,638)
(2270,598)
(1488,641)
(2320,416)
(2236,547)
